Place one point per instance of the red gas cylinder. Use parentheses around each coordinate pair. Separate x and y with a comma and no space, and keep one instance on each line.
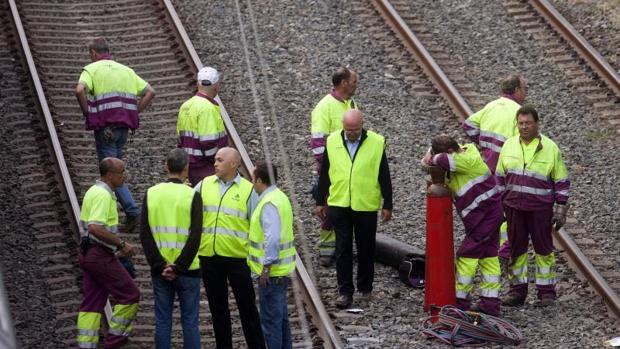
(440,288)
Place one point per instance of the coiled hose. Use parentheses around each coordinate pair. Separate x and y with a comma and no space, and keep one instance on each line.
(459,328)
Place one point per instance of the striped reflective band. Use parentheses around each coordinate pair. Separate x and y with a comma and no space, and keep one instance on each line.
(200,152)
(529,190)
(112,105)
(224,231)
(119,332)
(170,244)
(545,281)
(489,293)
(173,230)
(318,135)
(286,260)
(461,294)
(203,138)
(120,320)
(488,145)
(111,228)
(493,135)
(318,150)
(472,183)
(225,210)
(562,192)
(527,173)
(87,345)
(543,270)
(490,278)
(480,198)
(464,279)
(518,271)
(473,130)
(284,246)
(92,333)
(111,95)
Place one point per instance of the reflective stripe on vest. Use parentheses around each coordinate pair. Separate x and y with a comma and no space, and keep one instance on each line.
(285,264)
(99,208)
(225,218)
(170,215)
(354,183)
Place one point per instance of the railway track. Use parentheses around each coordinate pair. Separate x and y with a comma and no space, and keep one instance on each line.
(149,37)
(591,75)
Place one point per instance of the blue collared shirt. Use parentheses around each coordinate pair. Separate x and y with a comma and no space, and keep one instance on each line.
(270,222)
(252,202)
(352,145)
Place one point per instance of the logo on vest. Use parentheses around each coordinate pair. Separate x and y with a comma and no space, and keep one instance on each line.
(236,197)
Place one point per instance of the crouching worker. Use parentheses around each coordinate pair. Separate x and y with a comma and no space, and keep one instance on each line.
(477,198)
(170,231)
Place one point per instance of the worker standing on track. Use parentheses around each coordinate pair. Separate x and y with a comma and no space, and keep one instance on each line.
(103,273)
(354,176)
(200,127)
(477,199)
(170,231)
(111,96)
(228,202)
(492,125)
(272,255)
(531,168)
(327,118)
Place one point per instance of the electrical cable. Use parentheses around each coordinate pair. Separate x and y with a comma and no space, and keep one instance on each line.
(467,328)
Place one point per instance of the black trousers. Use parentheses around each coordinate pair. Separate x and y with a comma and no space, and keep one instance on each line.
(217,272)
(363,224)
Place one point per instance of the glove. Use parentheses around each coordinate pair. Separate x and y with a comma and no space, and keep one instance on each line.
(559,216)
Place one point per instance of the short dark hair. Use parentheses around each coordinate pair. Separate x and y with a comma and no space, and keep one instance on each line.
(443,143)
(341,74)
(528,110)
(510,84)
(106,165)
(100,45)
(262,169)
(177,160)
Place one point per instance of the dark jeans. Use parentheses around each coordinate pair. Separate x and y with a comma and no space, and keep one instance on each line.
(363,224)
(217,272)
(274,313)
(114,148)
(188,290)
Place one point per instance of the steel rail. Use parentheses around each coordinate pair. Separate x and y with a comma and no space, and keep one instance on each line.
(320,317)
(594,59)
(424,58)
(574,253)
(60,166)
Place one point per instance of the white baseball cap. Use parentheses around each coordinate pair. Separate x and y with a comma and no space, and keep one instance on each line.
(208,76)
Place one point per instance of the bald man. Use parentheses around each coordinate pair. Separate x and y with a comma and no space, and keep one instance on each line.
(354,177)
(228,202)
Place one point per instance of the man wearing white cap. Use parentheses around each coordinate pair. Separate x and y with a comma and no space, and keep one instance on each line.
(200,127)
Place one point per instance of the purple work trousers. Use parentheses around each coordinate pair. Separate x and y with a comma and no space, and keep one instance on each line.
(523,225)
(103,276)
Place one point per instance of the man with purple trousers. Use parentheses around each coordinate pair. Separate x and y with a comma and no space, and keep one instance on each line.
(111,95)
(477,198)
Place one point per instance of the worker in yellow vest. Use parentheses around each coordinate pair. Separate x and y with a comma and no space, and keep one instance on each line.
(327,118)
(531,169)
(272,255)
(111,95)
(228,201)
(200,128)
(170,231)
(354,177)
(103,274)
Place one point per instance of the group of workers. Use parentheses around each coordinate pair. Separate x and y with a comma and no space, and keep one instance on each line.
(230,231)
(205,222)
(519,181)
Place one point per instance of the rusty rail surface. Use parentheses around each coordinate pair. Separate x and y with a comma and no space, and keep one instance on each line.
(424,58)
(592,57)
(312,299)
(462,109)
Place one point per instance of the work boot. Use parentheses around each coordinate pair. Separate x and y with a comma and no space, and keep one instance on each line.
(546,302)
(513,300)
(365,298)
(131,222)
(344,301)
(326,261)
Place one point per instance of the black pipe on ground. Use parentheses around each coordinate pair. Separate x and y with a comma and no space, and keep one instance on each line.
(408,259)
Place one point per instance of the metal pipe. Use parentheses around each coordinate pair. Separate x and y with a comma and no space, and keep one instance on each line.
(7,332)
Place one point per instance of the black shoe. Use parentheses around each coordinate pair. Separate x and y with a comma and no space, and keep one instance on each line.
(326,261)
(513,300)
(546,302)
(344,301)
(131,222)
